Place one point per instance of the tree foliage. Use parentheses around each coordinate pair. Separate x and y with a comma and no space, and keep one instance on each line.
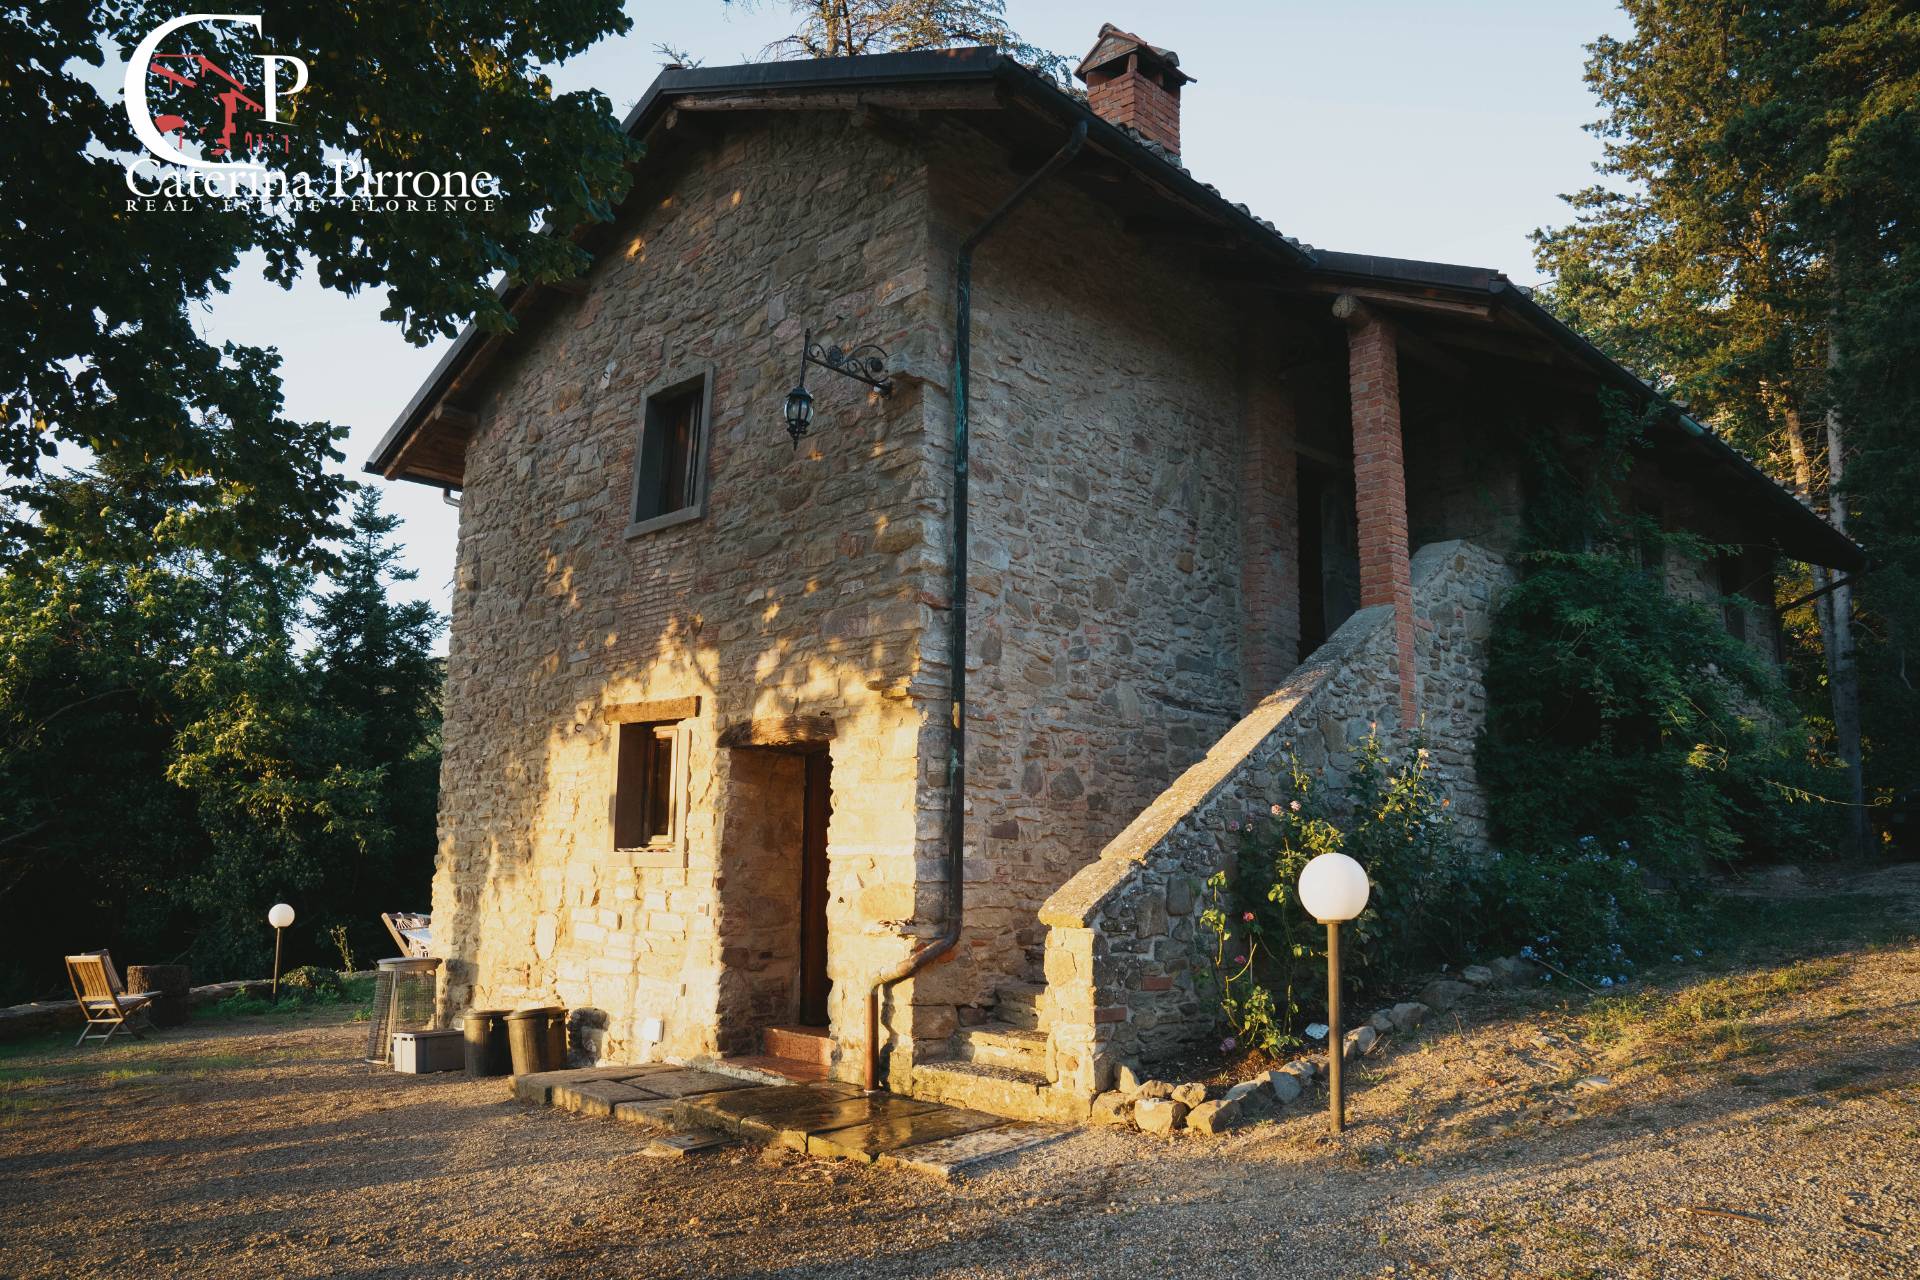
(1753,253)
(851,28)
(101,299)
(173,762)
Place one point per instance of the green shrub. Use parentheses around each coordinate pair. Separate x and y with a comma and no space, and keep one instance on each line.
(311,980)
(1630,745)
(1266,960)
(306,988)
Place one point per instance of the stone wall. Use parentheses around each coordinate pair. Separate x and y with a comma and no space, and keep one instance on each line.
(803,592)
(1121,938)
(1115,481)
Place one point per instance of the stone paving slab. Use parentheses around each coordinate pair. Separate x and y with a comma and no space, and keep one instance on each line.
(683,1082)
(678,1146)
(955,1157)
(727,1110)
(697,1110)
(789,1127)
(537,1087)
(594,1097)
(868,1141)
(653,1113)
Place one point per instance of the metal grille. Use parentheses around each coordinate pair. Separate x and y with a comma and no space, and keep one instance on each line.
(403,998)
(379,1030)
(412,1002)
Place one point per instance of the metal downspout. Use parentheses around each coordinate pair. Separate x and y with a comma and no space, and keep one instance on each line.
(957,615)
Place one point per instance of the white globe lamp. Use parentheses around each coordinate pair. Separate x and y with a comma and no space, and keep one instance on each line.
(1334,889)
(280,915)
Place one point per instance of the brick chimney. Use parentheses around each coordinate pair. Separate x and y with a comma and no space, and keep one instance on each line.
(1132,84)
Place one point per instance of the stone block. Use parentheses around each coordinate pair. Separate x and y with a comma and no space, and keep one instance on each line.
(1359,1042)
(1158,1089)
(1286,1085)
(1409,1015)
(595,1097)
(1381,1021)
(1210,1118)
(1512,971)
(1127,1079)
(1192,1093)
(1444,993)
(1179,896)
(1477,975)
(1112,1108)
(1159,1115)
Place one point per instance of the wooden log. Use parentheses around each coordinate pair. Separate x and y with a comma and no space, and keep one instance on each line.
(174,982)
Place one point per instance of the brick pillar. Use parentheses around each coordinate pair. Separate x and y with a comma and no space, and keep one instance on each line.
(1380,479)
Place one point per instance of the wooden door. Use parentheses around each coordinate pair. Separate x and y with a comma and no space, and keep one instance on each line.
(814,983)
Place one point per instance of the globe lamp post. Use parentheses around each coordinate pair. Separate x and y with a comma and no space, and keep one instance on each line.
(279,916)
(1333,889)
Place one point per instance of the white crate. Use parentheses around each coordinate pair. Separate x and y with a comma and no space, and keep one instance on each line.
(419,1052)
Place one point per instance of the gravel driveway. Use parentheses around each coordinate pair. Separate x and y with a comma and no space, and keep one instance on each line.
(1760,1121)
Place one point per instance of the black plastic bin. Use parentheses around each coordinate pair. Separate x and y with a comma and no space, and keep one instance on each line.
(488,1053)
(538,1039)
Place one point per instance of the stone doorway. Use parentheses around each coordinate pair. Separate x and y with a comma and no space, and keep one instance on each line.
(773,907)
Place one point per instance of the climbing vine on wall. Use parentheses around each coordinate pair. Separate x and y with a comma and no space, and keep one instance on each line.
(1631,743)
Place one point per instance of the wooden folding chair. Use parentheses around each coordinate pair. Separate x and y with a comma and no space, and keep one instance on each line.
(95,986)
(412,932)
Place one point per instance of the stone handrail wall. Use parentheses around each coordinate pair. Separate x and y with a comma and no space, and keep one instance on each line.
(1122,933)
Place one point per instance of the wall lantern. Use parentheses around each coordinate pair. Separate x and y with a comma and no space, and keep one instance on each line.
(865,363)
(1334,889)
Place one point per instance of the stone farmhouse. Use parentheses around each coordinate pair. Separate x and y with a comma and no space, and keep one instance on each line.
(1213,491)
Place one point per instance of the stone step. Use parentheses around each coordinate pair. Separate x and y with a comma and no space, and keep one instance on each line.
(802,1044)
(1018,1005)
(997,1044)
(1004,1091)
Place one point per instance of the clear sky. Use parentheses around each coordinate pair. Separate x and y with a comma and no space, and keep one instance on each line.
(1419,130)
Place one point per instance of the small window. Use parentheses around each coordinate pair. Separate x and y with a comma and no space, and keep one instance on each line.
(670,460)
(647,791)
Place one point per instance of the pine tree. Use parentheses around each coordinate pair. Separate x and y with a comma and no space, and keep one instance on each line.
(1763,206)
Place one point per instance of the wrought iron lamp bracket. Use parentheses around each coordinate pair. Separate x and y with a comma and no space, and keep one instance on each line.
(866,363)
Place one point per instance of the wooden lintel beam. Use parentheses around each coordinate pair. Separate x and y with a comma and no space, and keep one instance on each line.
(572,287)
(1398,301)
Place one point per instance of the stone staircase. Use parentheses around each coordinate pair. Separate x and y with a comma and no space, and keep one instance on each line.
(999,1065)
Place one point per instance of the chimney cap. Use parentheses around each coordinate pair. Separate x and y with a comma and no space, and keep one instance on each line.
(1113,44)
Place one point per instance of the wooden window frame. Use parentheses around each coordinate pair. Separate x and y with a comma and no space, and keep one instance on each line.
(673,387)
(676,736)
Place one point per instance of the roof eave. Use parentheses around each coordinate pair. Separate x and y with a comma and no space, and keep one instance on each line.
(917,69)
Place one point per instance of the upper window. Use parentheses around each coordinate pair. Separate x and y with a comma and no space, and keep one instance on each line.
(669,470)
